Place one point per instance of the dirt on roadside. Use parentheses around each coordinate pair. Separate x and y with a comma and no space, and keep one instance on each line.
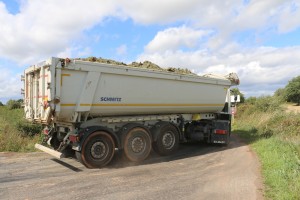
(292,108)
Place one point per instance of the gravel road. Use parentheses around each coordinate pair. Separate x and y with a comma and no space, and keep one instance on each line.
(196,171)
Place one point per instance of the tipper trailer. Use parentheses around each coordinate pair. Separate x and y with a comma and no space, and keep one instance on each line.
(95,109)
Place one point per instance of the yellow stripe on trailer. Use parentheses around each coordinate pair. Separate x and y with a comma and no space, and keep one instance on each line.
(144,105)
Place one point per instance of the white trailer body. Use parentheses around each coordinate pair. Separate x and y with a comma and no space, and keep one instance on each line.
(70,95)
(109,90)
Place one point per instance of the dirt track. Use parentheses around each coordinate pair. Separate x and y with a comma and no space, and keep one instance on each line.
(292,108)
(197,171)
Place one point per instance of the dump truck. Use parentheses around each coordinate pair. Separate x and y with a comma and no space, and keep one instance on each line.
(97,109)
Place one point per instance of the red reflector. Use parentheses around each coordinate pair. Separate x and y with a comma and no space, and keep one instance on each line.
(46,131)
(73,138)
(221,132)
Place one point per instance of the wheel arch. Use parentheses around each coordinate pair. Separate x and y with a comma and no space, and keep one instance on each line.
(92,129)
(126,128)
(156,129)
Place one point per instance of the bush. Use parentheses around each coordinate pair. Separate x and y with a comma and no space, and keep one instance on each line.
(29,129)
(267,103)
(251,100)
(280,94)
(13,104)
(11,139)
(267,115)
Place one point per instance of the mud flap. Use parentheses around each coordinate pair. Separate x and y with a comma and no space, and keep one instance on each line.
(220,133)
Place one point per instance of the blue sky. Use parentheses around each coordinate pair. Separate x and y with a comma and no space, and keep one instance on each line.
(260,40)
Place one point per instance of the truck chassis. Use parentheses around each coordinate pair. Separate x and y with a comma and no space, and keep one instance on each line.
(95,141)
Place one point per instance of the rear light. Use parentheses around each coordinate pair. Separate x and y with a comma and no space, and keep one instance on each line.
(46,131)
(73,138)
(220,131)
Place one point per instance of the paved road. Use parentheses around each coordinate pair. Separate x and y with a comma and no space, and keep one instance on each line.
(197,171)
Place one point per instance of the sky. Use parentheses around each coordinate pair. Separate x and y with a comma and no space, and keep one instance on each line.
(259,40)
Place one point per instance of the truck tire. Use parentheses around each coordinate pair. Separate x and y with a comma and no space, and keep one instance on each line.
(97,150)
(137,144)
(167,140)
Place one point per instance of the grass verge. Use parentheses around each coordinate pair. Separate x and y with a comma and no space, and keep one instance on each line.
(281,168)
(15,134)
(275,137)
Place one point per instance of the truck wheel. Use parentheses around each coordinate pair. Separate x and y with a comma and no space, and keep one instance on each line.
(137,144)
(167,140)
(97,150)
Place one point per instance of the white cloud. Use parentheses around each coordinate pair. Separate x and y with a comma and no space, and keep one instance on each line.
(261,70)
(289,17)
(43,28)
(226,16)
(10,85)
(258,14)
(175,38)
(157,11)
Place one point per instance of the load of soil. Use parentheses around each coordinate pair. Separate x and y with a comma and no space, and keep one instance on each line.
(144,65)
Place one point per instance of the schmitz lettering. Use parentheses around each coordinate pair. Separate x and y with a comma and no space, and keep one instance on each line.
(113,99)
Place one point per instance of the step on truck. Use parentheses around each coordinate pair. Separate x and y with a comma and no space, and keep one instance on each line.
(95,109)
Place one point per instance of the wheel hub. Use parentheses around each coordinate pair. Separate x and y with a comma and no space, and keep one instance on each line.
(168,140)
(98,150)
(137,145)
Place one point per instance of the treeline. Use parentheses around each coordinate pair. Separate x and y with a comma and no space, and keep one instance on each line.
(290,93)
(13,104)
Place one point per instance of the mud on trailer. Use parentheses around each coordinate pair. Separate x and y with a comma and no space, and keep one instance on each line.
(94,108)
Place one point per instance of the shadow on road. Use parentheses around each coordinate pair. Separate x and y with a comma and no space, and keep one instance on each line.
(186,150)
(71,167)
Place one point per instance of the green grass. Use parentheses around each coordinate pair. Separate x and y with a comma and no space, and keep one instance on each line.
(15,134)
(275,137)
(281,168)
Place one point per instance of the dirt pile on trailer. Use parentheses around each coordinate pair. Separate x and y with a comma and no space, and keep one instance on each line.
(101,60)
(144,65)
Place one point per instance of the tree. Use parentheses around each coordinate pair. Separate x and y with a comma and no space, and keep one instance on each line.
(20,101)
(236,91)
(13,104)
(1,104)
(251,100)
(280,94)
(292,90)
